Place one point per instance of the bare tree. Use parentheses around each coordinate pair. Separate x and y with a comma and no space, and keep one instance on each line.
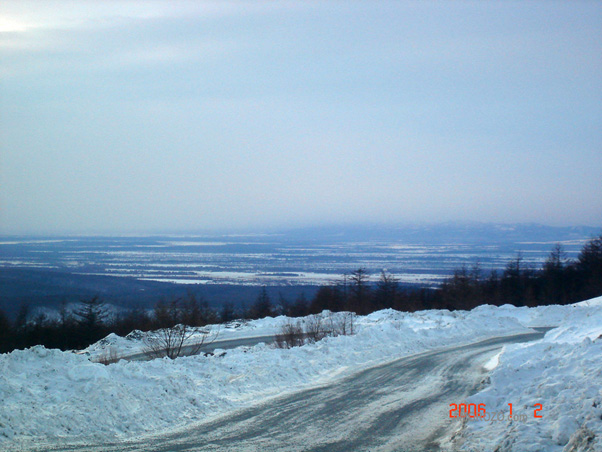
(387,291)
(176,341)
(341,324)
(91,321)
(315,328)
(290,335)
(360,291)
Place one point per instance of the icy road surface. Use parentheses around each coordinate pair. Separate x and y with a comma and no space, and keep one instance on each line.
(399,406)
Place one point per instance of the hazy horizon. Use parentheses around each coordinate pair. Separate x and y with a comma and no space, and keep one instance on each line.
(333,229)
(153,116)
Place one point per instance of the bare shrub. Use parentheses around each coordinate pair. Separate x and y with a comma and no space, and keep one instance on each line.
(315,328)
(109,356)
(290,335)
(341,324)
(176,341)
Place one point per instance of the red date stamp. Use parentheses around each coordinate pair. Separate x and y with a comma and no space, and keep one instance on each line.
(478,412)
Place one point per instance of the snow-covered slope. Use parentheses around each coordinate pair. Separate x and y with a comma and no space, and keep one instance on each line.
(559,376)
(48,395)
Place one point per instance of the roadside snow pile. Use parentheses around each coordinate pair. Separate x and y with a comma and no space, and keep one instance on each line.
(134,343)
(50,396)
(562,373)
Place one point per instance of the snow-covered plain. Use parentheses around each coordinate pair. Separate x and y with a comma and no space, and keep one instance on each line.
(48,396)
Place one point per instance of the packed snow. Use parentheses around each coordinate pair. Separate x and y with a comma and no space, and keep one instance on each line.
(49,396)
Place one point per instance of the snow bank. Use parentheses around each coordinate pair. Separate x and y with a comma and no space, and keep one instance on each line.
(562,372)
(48,396)
(133,343)
(51,396)
(593,302)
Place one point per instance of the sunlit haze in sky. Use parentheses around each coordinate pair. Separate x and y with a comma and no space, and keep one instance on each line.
(148,116)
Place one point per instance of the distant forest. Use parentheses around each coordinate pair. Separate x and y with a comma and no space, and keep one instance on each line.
(558,281)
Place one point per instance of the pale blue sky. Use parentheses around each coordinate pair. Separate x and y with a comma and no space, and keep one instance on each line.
(132,116)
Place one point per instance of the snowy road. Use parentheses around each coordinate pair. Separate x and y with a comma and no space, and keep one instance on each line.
(400,406)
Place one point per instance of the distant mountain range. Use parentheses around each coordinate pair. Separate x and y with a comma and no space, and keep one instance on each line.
(450,232)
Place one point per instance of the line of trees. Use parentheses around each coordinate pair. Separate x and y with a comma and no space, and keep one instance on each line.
(93,321)
(558,281)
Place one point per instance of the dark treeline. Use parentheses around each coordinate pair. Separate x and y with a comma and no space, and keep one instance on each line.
(92,322)
(558,281)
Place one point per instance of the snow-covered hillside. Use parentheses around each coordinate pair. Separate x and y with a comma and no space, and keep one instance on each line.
(48,395)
